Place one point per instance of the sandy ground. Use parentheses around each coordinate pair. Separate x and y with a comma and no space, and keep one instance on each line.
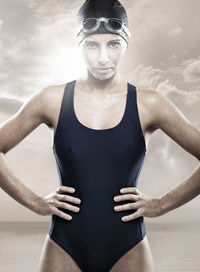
(175,247)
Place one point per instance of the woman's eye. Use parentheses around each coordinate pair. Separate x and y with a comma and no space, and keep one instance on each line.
(114,44)
(91,45)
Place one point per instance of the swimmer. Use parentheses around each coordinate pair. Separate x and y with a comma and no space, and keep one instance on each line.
(102,125)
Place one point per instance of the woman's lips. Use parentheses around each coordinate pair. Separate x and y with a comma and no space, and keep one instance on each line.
(103,69)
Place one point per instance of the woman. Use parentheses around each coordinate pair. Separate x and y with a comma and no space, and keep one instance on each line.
(101,128)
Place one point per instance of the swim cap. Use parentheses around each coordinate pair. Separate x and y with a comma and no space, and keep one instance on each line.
(98,9)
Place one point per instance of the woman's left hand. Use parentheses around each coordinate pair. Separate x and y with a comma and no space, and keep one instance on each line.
(145,206)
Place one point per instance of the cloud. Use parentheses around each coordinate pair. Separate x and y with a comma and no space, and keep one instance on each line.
(145,20)
(192,72)
(177,30)
(44,53)
(147,77)
(9,106)
(1,23)
(189,98)
(51,9)
(173,57)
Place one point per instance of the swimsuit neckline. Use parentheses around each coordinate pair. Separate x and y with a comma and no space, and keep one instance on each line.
(106,129)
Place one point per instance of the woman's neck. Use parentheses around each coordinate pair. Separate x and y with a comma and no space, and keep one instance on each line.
(95,85)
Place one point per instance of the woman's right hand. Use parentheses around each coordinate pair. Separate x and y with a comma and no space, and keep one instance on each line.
(47,205)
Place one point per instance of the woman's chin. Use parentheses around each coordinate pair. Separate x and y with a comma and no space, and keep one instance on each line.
(103,76)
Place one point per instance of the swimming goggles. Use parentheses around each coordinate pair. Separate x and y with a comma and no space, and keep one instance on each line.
(113,25)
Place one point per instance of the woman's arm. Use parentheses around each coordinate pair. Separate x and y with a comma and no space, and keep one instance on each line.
(12,131)
(169,119)
(182,193)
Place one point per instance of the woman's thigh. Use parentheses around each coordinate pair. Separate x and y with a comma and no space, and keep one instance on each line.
(137,259)
(55,259)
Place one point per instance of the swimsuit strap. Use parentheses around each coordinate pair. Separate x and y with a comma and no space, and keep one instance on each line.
(69,111)
(68,119)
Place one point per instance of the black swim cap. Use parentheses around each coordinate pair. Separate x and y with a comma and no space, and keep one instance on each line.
(102,8)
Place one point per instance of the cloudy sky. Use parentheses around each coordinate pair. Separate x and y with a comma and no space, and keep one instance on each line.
(38,48)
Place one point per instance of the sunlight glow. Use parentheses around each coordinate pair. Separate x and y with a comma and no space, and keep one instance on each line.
(66,63)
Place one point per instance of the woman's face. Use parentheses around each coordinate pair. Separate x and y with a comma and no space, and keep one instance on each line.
(102,54)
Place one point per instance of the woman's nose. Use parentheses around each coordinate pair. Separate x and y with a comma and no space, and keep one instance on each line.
(103,56)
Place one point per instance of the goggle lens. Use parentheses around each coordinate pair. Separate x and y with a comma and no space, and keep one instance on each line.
(89,24)
(115,24)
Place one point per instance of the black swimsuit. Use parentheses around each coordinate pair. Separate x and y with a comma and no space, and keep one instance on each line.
(98,163)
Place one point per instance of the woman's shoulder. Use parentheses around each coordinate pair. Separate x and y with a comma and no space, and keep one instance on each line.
(151,97)
(53,93)
(51,97)
(153,102)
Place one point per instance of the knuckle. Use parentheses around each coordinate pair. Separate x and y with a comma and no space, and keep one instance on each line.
(132,197)
(54,196)
(56,203)
(70,198)
(132,206)
(68,206)
(58,189)
(140,197)
(54,210)
(61,205)
(59,213)
(137,191)
(52,201)
(63,197)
